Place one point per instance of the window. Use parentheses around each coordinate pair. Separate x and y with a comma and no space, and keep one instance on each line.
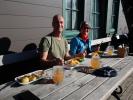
(114,16)
(96,14)
(94,18)
(73,14)
(102,16)
(113,9)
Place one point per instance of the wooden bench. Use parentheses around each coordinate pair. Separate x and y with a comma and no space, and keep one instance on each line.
(22,56)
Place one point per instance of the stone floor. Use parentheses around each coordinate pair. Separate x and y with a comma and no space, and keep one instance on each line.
(127,87)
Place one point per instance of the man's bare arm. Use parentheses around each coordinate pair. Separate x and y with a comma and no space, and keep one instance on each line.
(52,62)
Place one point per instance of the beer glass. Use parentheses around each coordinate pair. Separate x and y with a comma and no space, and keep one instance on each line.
(95,61)
(58,74)
(110,50)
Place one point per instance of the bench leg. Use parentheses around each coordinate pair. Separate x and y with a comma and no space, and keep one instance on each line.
(116,92)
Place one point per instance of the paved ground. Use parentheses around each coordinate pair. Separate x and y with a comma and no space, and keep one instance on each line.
(127,93)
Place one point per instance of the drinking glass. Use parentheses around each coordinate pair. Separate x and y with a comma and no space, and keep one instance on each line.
(95,61)
(110,50)
(58,74)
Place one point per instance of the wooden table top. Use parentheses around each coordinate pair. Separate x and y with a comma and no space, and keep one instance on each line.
(76,85)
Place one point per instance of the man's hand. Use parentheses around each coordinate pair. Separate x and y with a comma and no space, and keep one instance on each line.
(81,54)
(59,61)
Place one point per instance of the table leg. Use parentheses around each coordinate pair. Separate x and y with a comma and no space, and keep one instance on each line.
(116,92)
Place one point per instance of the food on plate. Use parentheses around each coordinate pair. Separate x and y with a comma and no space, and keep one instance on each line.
(100,52)
(30,77)
(24,80)
(95,54)
(80,59)
(39,73)
(73,62)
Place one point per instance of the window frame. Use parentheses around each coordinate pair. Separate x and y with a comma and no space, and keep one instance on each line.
(70,33)
(112,29)
(95,13)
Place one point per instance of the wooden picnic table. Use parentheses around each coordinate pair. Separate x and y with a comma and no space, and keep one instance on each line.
(76,85)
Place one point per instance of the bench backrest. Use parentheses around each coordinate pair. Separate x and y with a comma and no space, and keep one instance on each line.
(17,57)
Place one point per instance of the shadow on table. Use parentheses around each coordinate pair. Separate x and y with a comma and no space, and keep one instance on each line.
(7,84)
(25,95)
(43,81)
(101,72)
(105,72)
(84,69)
(40,81)
(109,56)
(16,85)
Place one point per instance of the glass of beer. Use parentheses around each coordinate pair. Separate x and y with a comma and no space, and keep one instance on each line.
(58,74)
(95,61)
(110,50)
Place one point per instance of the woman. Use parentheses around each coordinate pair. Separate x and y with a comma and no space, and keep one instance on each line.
(80,45)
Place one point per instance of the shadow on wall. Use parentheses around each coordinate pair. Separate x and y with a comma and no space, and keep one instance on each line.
(31,46)
(15,65)
(5,45)
(10,57)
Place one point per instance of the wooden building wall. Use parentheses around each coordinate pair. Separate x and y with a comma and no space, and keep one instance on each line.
(24,22)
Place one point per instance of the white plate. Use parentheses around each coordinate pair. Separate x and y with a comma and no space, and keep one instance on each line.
(106,54)
(39,73)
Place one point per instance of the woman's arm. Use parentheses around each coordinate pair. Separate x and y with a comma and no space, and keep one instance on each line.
(73,46)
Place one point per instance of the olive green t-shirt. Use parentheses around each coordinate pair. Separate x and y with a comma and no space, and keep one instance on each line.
(56,48)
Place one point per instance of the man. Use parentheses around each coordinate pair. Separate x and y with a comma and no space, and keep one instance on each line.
(53,48)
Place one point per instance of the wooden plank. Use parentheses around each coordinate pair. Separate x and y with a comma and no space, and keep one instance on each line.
(128,93)
(74,87)
(45,90)
(131,96)
(53,3)
(102,40)
(23,22)
(105,61)
(20,38)
(67,80)
(12,58)
(127,84)
(103,92)
(86,89)
(40,89)
(69,88)
(30,8)
(20,46)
